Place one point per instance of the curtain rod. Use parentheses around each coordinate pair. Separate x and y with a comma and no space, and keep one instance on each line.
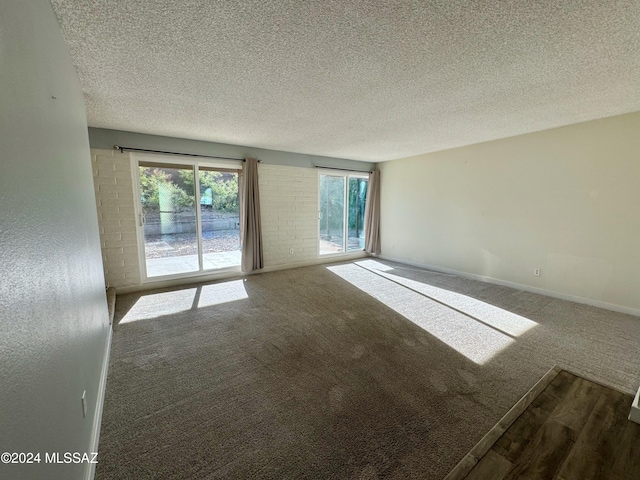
(122,149)
(344,169)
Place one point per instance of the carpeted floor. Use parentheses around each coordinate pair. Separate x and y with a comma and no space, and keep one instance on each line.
(359,370)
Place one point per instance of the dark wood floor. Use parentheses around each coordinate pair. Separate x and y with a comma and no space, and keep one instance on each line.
(575,429)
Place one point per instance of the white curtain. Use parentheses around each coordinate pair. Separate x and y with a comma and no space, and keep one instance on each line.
(372,215)
(250,222)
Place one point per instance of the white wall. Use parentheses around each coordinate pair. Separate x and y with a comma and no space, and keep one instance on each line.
(53,314)
(565,200)
(113,184)
(289,211)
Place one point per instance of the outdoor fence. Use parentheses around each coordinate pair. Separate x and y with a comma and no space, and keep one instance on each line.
(171,224)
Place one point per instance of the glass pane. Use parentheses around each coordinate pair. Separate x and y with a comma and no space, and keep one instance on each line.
(332,214)
(357,202)
(220,213)
(168,206)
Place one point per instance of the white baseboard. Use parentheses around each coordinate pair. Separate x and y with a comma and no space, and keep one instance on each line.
(634,415)
(519,286)
(97,416)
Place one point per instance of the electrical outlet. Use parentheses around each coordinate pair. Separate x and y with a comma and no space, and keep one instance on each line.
(536,272)
(84,404)
(291,251)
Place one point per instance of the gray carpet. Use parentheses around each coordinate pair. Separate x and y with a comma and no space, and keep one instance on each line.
(359,370)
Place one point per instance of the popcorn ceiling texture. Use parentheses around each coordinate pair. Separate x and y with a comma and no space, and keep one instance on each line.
(365,80)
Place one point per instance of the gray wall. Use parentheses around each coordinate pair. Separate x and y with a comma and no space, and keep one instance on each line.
(106,139)
(53,313)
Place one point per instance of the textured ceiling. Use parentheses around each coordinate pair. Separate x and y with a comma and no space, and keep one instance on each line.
(366,80)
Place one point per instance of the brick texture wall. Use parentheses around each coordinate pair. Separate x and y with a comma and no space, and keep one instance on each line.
(113,184)
(289,208)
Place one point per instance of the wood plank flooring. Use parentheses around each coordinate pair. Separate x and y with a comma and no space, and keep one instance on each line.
(574,429)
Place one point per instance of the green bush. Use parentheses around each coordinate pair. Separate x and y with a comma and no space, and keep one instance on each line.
(224,188)
(151,179)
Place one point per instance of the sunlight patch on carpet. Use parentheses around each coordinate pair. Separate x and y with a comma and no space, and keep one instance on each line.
(222,293)
(496,317)
(474,339)
(374,265)
(168,303)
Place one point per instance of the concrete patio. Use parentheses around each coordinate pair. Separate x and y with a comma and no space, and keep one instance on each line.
(157,267)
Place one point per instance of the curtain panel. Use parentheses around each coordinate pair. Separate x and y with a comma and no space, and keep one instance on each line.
(372,215)
(250,222)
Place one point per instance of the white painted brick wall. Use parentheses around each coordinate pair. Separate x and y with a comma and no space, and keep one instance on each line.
(289,208)
(116,217)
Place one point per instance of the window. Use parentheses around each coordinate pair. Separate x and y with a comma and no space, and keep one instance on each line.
(341,217)
(189,217)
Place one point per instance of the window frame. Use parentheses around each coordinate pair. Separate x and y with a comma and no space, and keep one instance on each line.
(345,229)
(177,160)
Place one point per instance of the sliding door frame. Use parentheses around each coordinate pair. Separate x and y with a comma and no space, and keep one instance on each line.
(345,205)
(194,162)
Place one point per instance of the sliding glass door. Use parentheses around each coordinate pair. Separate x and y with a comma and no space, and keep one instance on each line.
(189,218)
(357,198)
(332,215)
(220,214)
(169,219)
(342,200)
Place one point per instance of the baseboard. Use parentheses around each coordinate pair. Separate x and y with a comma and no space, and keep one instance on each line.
(634,415)
(519,286)
(97,416)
